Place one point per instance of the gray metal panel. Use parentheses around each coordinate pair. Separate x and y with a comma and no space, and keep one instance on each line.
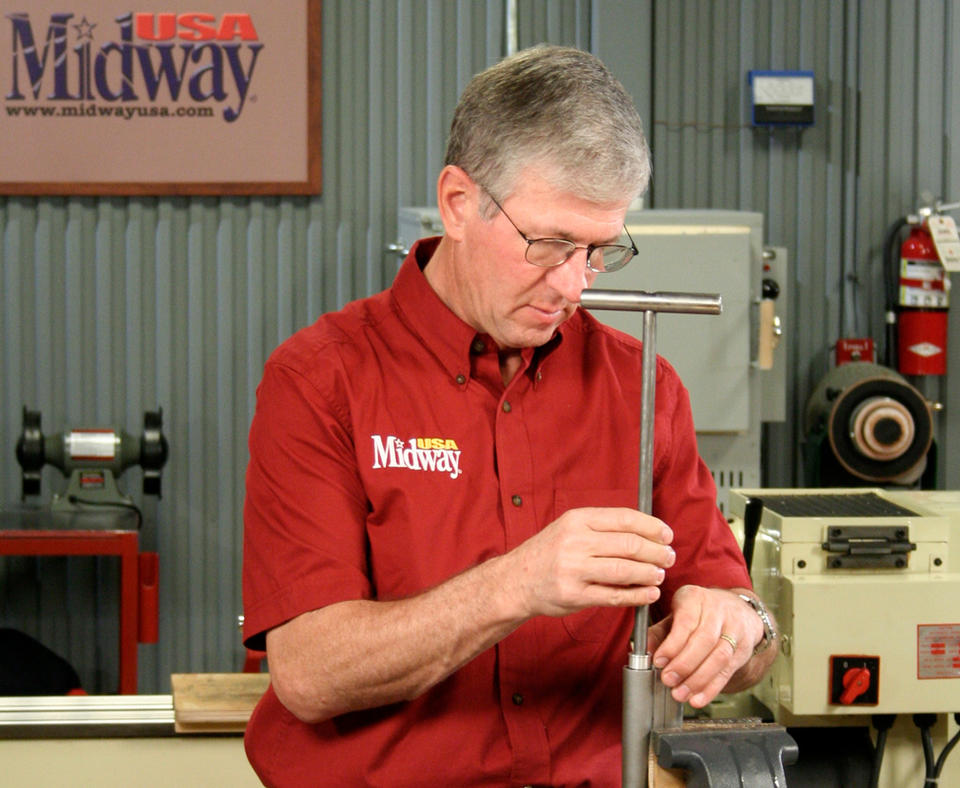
(712,354)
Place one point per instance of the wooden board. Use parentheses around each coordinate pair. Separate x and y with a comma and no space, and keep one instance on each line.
(658,777)
(215,702)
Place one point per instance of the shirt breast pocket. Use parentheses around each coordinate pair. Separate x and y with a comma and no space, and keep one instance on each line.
(594,624)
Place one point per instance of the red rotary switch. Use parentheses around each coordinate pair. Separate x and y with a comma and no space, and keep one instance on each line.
(856,681)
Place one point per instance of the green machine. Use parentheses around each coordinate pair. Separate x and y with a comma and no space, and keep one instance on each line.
(92,459)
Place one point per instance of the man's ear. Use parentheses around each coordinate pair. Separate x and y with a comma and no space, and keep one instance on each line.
(457,199)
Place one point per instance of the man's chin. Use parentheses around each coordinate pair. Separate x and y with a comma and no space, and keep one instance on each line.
(535,337)
(533,327)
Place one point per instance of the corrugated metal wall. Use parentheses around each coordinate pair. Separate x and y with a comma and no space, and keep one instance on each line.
(114,306)
(887,106)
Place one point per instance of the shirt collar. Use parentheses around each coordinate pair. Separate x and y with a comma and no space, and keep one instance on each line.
(440,330)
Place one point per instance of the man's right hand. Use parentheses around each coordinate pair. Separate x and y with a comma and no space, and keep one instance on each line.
(319,661)
(589,557)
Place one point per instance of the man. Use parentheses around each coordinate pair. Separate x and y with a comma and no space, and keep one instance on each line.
(443,550)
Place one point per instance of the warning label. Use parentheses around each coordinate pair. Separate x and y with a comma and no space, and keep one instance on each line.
(938,651)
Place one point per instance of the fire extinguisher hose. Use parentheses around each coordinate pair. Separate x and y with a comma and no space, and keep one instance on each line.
(891,278)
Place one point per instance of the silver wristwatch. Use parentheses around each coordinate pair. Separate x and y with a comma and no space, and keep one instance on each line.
(769,633)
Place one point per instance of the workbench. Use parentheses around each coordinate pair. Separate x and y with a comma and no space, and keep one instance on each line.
(63,534)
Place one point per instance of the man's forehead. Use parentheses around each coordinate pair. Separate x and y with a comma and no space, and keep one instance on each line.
(577,181)
(551,211)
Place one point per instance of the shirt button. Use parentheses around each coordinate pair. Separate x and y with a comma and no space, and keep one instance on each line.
(517,699)
(539,375)
(479,346)
(461,379)
(506,407)
(516,500)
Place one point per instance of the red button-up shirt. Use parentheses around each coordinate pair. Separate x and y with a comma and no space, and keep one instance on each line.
(386,455)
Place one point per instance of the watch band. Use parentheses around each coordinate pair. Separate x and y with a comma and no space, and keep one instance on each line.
(769,633)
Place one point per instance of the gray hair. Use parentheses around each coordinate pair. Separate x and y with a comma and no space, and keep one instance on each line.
(556,108)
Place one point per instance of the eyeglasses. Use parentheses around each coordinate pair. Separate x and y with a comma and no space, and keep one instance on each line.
(551,252)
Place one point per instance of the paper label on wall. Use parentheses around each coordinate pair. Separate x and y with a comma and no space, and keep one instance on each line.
(938,651)
(943,230)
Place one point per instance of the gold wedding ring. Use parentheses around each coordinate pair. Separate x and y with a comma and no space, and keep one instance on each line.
(730,639)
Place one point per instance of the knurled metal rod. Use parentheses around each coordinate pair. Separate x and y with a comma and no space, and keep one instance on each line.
(640,699)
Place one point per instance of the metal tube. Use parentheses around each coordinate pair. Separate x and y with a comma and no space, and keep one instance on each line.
(667,712)
(637,696)
(639,301)
(86,716)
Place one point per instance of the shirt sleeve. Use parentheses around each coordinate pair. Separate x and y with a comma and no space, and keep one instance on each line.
(685,498)
(305,510)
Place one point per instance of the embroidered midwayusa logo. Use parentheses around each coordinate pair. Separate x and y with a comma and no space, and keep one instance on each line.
(441,455)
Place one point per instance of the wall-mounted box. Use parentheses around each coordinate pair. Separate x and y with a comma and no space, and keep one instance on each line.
(781,98)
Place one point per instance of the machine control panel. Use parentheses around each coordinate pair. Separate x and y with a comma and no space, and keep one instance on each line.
(859,579)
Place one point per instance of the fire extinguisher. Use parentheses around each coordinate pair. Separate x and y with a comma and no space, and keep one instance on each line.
(917,321)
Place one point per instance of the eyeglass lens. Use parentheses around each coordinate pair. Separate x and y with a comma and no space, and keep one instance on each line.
(547,252)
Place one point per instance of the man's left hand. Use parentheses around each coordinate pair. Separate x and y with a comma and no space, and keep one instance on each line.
(705,646)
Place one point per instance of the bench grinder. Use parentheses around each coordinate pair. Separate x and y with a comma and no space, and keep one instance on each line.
(91,459)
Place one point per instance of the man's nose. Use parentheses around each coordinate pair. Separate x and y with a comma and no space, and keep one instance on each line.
(572,277)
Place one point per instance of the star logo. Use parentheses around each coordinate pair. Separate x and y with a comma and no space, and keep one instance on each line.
(84,29)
